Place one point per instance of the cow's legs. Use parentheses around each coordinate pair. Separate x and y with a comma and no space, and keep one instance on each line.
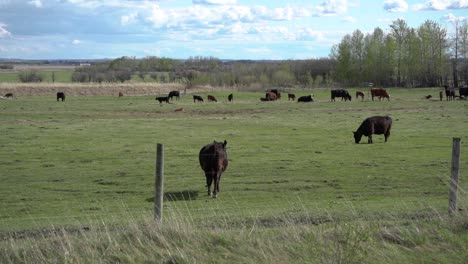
(217,179)
(209,180)
(369,139)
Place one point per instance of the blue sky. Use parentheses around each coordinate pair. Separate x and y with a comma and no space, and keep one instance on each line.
(225,29)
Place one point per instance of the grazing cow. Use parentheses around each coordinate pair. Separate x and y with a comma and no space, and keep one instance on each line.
(463,92)
(120,94)
(305,99)
(374,125)
(175,94)
(379,92)
(162,99)
(449,93)
(9,95)
(197,98)
(360,94)
(291,97)
(276,92)
(60,95)
(428,96)
(441,95)
(213,160)
(340,93)
(230,98)
(211,98)
(179,110)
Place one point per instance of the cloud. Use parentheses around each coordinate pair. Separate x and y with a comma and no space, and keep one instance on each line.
(440,5)
(333,7)
(395,6)
(215,2)
(3,32)
(36,3)
(349,19)
(76,42)
(128,19)
(452,18)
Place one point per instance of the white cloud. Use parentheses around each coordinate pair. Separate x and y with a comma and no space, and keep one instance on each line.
(76,42)
(3,32)
(333,7)
(452,18)
(215,2)
(396,6)
(439,5)
(349,19)
(128,19)
(36,3)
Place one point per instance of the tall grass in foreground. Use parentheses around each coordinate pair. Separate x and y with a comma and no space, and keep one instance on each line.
(284,239)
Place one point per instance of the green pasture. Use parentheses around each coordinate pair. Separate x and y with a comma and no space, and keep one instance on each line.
(61,76)
(94,157)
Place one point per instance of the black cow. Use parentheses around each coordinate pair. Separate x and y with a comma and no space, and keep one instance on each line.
(9,95)
(197,98)
(175,94)
(60,95)
(162,99)
(463,92)
(340,93)
(305,99)
(374,125)
(213,160)
(230,97)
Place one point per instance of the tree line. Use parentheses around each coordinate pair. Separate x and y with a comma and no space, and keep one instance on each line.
(404,57)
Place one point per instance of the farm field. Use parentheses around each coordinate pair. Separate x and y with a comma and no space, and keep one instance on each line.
(93,158)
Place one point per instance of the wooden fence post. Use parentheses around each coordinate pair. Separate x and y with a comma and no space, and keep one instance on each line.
(455,173)
(159,184)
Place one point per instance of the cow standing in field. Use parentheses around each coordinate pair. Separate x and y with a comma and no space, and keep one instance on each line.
(175,94)
(340,93)
(213,160)
(230,97)
(60,95)
(360,94)
(463,92)
(9,96)
(305,99)
(449,93)
(211,98)
(120,94)
(373,125)
(162,99)
(291,97)
(197,98)
(379,92)
(441,95)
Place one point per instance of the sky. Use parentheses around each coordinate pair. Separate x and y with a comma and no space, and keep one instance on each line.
(224,29)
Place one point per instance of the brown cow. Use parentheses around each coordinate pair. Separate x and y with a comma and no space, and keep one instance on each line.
(441,95)
(449,93)
(211,98)
(120,94)
(213,160)
(373,125)
(291,97)
(269,96)
(379,92)
(360,94)
(276,92)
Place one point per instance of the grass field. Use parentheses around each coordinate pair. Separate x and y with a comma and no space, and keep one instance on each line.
(92,158)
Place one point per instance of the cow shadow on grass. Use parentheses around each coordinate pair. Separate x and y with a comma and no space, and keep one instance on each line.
(185,195)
